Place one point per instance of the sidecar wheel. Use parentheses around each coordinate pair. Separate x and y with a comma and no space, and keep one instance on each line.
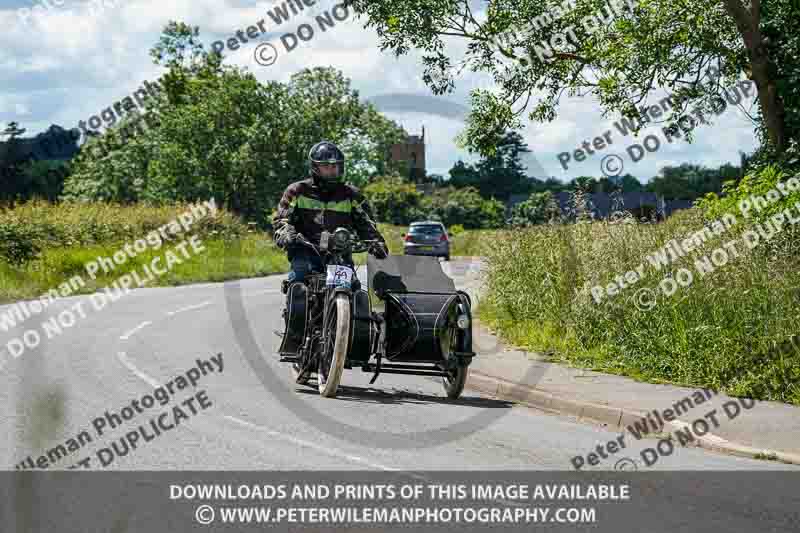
(451,341)
(332,364)
(454,384)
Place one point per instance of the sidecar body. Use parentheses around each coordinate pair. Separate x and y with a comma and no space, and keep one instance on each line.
(424,327)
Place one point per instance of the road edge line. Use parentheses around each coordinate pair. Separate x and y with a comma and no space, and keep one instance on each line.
(616,417)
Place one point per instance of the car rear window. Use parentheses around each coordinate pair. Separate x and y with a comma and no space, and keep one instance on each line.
(431,229)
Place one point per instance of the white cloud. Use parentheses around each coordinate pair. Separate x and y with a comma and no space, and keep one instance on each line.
(66,66)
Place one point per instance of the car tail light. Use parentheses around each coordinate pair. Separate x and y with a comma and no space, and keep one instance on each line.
(444,238)
(408,238)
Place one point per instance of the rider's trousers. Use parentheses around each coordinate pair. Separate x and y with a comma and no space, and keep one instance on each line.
(303,262)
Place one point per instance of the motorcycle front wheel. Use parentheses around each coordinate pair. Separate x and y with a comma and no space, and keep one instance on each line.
(337,335)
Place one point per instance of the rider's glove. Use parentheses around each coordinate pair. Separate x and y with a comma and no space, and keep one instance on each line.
(294,237)
(380,250)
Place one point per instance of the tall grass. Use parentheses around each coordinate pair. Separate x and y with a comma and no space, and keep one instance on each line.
(82,224)
(63,238)
(733,329)
(44,245)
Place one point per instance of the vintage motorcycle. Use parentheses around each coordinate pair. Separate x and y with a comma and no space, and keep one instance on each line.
(425,329)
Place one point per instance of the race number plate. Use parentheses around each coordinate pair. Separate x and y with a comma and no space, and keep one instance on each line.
(339,276)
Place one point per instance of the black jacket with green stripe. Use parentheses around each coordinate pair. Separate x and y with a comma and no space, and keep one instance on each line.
(306,208)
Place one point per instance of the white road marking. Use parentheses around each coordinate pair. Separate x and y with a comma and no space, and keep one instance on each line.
(127,335)
(147,379)
(340,454)
(189,308)
(294,440)
(267,291)
(317,447)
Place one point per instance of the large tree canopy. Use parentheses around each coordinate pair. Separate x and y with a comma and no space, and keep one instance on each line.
(224,134)
(659,43)
(499,175)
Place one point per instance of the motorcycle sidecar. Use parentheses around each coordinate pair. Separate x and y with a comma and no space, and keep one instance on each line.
(426,323)
(425,328)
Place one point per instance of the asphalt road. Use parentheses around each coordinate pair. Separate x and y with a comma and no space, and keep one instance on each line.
(149,337)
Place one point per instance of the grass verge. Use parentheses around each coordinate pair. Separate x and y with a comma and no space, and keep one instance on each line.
(54,243)
(733,329)
(249,256)
(45,245)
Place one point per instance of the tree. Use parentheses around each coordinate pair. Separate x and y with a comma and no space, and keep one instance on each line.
(464,175)
(630,183)
(223,134)
(657,43)
(464,206)
(539,208)
(436,179)
(554,185)
(394,201)
(502,173)
(11,161)
(499,175)
(13,131)
(587,184)
(42,179)
(688,182)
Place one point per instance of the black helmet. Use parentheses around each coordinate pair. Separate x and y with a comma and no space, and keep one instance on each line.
(326,152)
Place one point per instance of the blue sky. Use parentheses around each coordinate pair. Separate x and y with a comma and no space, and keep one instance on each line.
(65,63)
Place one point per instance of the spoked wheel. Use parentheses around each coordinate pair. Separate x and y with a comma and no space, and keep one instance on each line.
(296,375)
(334,350)
(457,378)
(454,383)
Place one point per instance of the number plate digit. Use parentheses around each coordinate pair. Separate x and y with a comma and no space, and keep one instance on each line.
(339,276)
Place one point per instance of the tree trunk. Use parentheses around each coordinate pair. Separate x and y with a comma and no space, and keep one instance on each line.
(761,72)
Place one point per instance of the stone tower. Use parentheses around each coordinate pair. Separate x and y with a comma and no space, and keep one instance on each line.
(412,151)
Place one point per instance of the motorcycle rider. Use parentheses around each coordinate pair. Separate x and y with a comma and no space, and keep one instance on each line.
(322,202)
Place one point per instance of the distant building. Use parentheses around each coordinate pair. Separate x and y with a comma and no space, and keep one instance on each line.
(412,151)
(515,199)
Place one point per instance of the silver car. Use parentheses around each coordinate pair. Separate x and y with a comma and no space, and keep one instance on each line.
(427,238)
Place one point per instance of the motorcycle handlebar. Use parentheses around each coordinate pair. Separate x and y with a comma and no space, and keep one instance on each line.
(357,247)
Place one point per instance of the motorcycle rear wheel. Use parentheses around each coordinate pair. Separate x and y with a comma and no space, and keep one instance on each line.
(332,361)
(454,384)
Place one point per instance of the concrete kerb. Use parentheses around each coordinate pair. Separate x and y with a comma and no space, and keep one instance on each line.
(615,417)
